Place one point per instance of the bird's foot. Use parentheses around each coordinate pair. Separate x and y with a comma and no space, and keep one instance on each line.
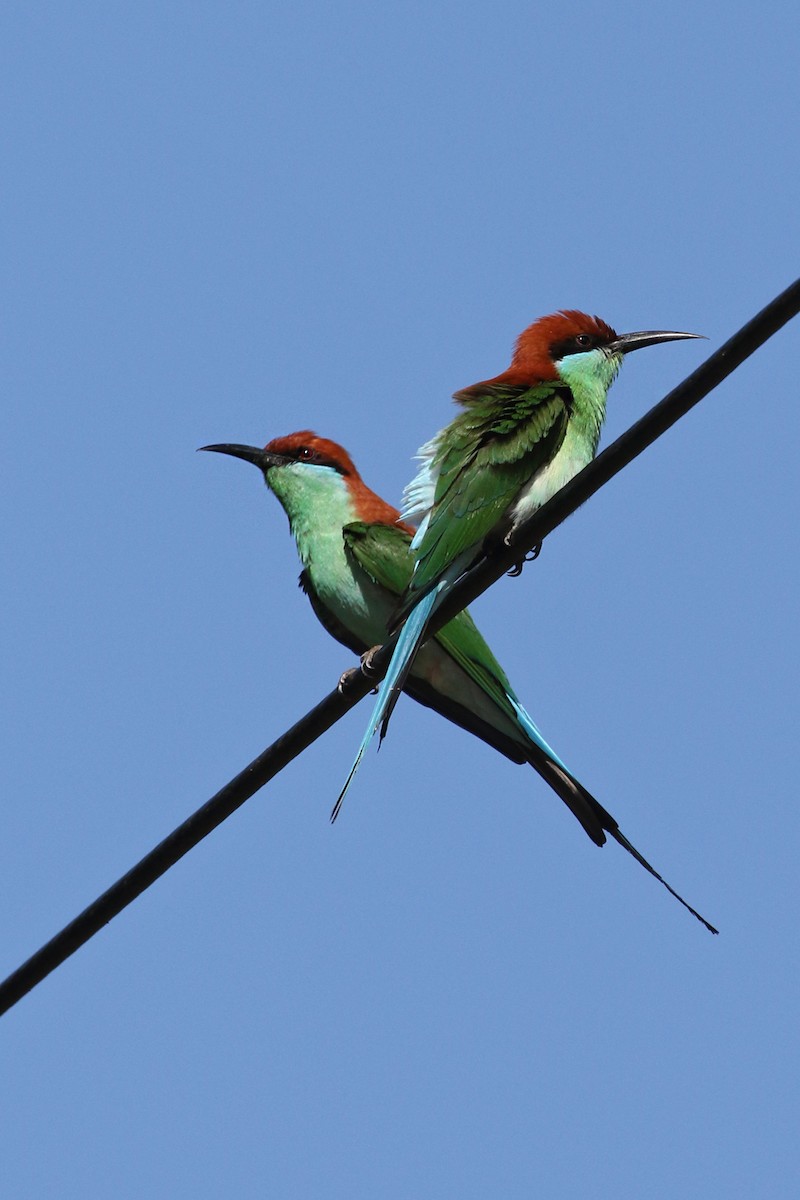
(531,556)
(348,677)
(367,669)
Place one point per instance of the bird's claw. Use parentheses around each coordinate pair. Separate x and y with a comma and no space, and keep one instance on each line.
(349,677)
(531,556)
(346,679)
(367,669)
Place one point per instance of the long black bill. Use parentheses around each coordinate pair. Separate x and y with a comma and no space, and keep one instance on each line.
(648,337)
(259,458)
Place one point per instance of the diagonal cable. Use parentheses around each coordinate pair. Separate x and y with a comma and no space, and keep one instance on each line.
(355,684)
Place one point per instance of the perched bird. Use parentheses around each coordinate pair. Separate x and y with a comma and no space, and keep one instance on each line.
(521,437)
(357,562)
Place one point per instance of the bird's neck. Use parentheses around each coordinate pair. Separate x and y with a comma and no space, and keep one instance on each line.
(589,376)
(318,504)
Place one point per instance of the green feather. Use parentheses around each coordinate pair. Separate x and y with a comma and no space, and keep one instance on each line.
(383,551)
(489,453)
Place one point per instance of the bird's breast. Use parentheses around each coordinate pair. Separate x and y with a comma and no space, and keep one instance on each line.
(548,480)
(345,589)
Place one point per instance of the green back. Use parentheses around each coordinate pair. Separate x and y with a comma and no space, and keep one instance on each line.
(482,461)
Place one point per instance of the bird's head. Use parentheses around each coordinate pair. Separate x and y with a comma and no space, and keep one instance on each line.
(300,450)
(571,346)
(304,467)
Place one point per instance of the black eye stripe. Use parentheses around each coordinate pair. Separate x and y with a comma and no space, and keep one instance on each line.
(578,344)
(307,455)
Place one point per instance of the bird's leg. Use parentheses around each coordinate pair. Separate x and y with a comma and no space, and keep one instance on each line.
(347,678)
(352,673)
(367,669)
(531,556)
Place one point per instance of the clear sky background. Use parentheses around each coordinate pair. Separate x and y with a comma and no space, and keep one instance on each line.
(228,222)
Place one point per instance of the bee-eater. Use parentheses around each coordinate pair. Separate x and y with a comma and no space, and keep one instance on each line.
(520,437)
(357,562)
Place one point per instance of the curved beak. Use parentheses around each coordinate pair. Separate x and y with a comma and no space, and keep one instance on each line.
(648,337)
(259,458)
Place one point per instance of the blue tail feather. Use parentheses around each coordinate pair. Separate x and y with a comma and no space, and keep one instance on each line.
(527,723)
(404,653)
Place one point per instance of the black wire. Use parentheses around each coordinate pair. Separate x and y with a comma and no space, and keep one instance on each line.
(356,685)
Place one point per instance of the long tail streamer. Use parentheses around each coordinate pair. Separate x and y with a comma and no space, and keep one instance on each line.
(407,645)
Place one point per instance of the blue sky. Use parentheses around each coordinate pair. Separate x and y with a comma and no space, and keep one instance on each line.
(225,223)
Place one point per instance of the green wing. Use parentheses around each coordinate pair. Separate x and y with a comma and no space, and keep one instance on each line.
(383,551)
(489,453)
(462,640)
